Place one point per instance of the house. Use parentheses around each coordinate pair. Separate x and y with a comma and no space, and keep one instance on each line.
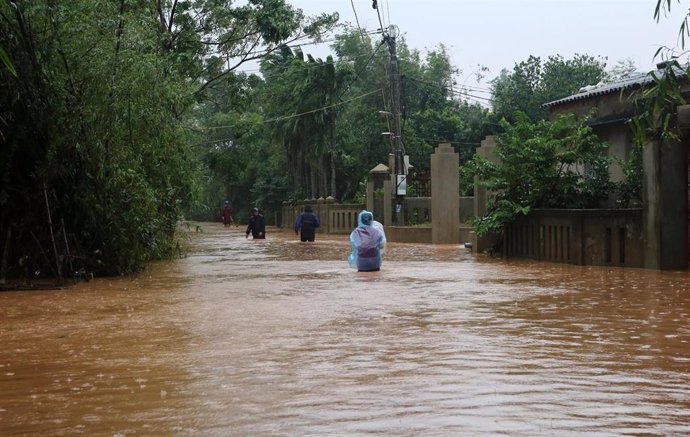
(664,209)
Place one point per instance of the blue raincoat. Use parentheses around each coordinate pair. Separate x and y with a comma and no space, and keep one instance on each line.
(368,242)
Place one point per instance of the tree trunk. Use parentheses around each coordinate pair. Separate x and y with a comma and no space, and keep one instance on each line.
(323,170)
(332,150)
(332,173)
(313,183)
(5,255)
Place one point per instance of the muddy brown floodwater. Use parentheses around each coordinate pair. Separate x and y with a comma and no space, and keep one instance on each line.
(282,338)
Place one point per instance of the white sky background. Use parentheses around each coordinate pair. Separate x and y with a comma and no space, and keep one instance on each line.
(499,33)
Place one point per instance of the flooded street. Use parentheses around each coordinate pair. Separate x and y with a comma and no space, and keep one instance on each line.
(282,338)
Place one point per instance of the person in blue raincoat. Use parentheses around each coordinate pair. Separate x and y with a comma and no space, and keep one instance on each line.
(368,241)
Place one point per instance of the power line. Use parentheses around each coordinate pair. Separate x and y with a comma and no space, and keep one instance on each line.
(462,92)
(375,6)
(366,64)
(287,117)
(361,35)
(306,66)
(292,46)
(479,97)
(359,73)
(449,87)
(475,89)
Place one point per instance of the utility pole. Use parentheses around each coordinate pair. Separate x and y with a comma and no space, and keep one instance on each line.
(400,170)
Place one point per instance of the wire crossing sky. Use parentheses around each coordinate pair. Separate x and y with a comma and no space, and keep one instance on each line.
(499,33)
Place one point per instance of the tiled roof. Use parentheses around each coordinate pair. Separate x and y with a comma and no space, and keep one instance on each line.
(635,80)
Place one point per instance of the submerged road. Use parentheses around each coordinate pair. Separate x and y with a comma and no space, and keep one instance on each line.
(282,338)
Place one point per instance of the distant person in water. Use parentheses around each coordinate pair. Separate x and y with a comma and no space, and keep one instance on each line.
(227,214)
(368,242)
(257,225)
(306,224)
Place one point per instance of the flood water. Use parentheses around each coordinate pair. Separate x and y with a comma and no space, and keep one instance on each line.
(282,338)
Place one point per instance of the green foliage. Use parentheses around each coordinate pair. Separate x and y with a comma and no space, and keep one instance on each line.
(629,190)
(319,122)
(434,113)
(501,211)
(622,70)
(662,8)
(95,118)
(96,108)
(7,62)
(533,83)
(548,164)
(656,104)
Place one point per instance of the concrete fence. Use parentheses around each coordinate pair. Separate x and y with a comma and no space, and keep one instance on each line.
(336,218)
(341,218)
(583,237)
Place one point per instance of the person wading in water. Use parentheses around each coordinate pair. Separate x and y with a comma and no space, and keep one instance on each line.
(306,225)
(368,241)
(257,225)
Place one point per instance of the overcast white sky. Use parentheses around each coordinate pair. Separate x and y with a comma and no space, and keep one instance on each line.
(499,33)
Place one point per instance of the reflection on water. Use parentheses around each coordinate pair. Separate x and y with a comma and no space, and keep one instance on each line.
(279,337)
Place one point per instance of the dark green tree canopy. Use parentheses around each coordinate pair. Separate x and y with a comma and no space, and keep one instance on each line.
(534,82)
(100,114)
(547,164)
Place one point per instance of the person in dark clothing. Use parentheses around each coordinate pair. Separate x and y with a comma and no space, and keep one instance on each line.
(306,224)
(257,225)
(227,214)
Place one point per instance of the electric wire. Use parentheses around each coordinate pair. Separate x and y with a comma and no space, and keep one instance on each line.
(287,117)
(359,73)
(352,2)
(378,13)
(460,91)
(306,66)
(329,106)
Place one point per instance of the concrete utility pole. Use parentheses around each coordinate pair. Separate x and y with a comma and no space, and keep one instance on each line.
(400,170)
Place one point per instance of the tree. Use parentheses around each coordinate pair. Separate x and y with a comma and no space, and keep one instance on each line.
(98,119)
(212,38)
(656,103)
(534,82)
(622,70)
(322,119)
(435,112)
(547,164)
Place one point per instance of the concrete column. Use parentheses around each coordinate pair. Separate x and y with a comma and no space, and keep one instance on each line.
(486,150)
(665,203)
(650,205)
(674,201)
(377,176)
(387,203)
(370,195)
(389,196)
(445,196)
(321,210)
